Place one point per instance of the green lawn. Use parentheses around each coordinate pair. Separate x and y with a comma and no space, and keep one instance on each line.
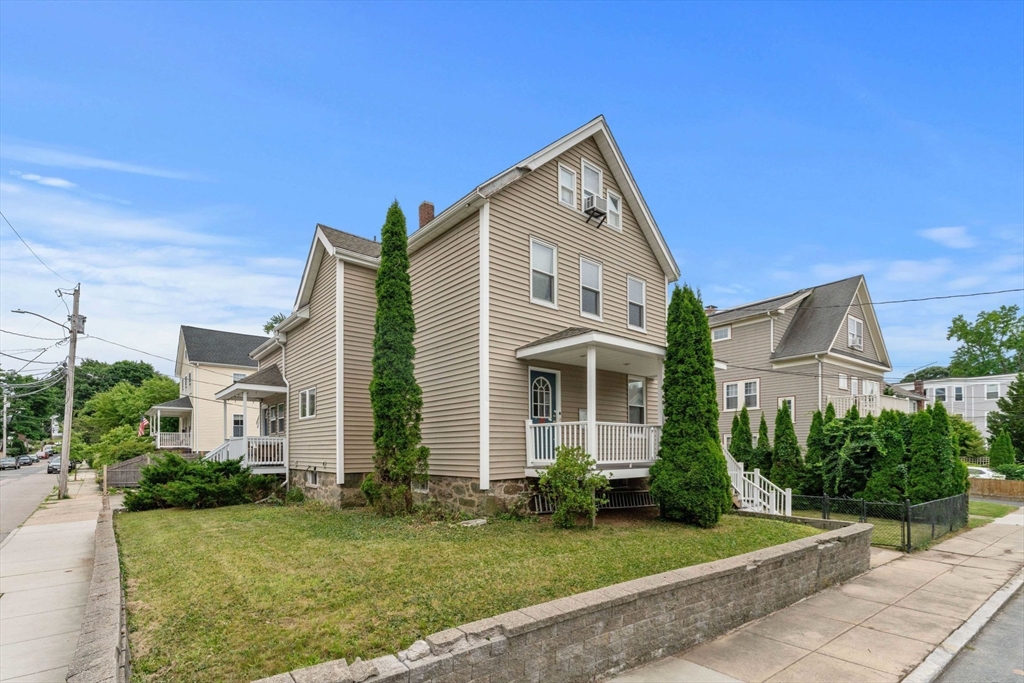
(238,593)
(983,508)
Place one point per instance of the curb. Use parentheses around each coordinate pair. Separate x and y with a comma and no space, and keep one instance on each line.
(9,537)
(933,665)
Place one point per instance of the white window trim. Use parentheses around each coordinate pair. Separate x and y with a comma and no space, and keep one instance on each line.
(600,290)
(792,401)
(996,385)
(728,333)
(575,194)
(725,397)
(642,380)
(600,178)
(962,394)
(743,394)
(643,289)
(945,394)
(608,195)
(844,381)
(860,323)
(304,399)
(554,283)
(241,423)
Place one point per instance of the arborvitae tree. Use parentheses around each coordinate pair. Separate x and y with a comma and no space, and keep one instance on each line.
(926,470)
(741,447)
(1001,452)
(853,413)
(787,463)
(1009,418)
(943,438)
(811,484)
(761,458)
(857,457)
(967,440)
(830,413)
(690,480)
(399,458)
(889,476)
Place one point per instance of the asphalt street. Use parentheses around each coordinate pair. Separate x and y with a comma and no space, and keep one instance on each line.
(996,654)
(21,492)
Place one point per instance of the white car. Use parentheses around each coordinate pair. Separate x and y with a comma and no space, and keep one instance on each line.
(983,473)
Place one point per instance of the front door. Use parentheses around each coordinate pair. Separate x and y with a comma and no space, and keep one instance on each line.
(543,410)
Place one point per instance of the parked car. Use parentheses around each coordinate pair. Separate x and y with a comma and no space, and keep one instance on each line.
(53,467)
(34,456)
(9,464)
(983,473)
(24,460)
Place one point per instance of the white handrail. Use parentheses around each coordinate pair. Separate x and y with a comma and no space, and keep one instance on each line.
(757,492)
(617,442)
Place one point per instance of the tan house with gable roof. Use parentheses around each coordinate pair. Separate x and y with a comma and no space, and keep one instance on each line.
(540,303)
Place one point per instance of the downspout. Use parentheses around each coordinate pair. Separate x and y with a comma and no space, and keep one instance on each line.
(287,409)
(818,358)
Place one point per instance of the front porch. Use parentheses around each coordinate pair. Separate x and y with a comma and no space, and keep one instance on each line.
(181,409)
(265,452)
(616,406)
(870,404)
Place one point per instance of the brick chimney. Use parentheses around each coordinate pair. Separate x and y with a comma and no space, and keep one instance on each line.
(708,310)
(919,386)
(426,213)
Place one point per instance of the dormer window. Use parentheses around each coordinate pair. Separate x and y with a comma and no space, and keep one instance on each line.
(567,186)
(855,328)
(591,180)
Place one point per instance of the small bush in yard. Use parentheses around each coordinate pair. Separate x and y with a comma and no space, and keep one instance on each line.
(573,486)
(1014,472)
(173,482)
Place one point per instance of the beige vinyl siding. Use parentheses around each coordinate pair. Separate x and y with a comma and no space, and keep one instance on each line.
(311,363)
(528,208)
(842,344)
(273,357)
(446,300)
(360,311)
(208,412)
(830,381)
(782,323)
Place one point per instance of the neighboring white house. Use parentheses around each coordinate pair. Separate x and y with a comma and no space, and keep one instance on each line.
(973,398)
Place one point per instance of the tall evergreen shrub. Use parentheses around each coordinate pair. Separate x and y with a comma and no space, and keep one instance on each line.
(399,457)
(942,436)
(741,446)
(690,481)
(811,484)
(762,455)
(926,471)
(830,413)
(1009,417)
(787,464)
(1001,452)
(889,475)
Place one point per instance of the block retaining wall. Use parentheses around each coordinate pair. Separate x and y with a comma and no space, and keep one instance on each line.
(605,631)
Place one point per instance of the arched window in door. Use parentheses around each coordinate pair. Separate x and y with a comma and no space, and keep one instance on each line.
(541,396)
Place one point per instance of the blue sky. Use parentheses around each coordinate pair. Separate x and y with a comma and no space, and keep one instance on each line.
(175,157)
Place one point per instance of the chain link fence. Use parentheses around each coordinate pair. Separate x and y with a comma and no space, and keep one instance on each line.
(897,525)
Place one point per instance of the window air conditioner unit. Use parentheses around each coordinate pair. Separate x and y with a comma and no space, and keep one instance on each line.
(595,207)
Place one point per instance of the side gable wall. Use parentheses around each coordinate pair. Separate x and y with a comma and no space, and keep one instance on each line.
(870,352)
(360,312)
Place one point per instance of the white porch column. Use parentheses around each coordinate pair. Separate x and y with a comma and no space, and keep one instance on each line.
(661,393)
(245,414)
(158,428)
(225,403)
(592,401)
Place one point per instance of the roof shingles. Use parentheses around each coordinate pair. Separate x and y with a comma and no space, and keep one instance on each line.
(220,347)
(349,242)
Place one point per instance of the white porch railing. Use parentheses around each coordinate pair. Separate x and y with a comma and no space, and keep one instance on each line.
(254,451)
(173,439)
(756,492)
(870,404)
(617,443)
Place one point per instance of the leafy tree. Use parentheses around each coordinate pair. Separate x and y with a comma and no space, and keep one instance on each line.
(93,377)
(888,479)
(1009,417)
(120,443)
(787,463)
(123,405)
(399,457)
(992,345)
(32,404)
(690,480)
(811,483)
(273,322)
(930,372)
(967,441)
(741,446)
(573,486)
(1002,451)
(861,451)
(762,456)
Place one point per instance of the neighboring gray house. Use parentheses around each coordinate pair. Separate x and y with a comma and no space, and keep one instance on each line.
(973,398)
(808,348)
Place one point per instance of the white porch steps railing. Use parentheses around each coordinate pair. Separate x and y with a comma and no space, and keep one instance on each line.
(618,443)
(172,439)
(260,453)
(755,491)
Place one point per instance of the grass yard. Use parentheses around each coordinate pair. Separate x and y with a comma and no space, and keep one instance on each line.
(982,508)
(238,593)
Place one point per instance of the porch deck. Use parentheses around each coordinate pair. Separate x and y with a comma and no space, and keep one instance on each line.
(261,454)
(622,450)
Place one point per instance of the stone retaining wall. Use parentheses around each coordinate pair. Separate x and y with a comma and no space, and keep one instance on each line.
(605,631)
(102,654)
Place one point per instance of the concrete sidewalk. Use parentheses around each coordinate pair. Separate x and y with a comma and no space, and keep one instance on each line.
(877,627)
(45,570)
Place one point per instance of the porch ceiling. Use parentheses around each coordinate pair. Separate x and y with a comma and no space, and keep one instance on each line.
(614,353)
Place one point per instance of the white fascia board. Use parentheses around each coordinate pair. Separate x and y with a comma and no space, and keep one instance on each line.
(241,386)
(317,249)
(181,358)
(451,216)
(847,362)
(596,338)
(835,337)
(876,328)
(357,259)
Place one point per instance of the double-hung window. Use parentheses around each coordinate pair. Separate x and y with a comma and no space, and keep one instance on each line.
(721,333)
(237,426)
(789,402)
(270,417)
(280,418)
(543,265)
(991,391)
(732,396)
(637,294)
(636,397)
(853,386)
(307,403)
(591,181)
(567,186)
(958,394)
(590,288)
(940,394)
(752,393)
(843,381)
(855,328)
(614,211)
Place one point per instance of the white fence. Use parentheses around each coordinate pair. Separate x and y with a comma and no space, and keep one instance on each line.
(870,404)
(617,443)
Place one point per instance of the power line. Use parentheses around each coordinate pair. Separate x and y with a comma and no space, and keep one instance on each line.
(29,336)
(156,355)
(755,308)
(32,250)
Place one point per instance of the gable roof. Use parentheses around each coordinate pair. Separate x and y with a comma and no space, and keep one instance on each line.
(346,241)
(820,313)
(597,129)
(219,347)
(339,244)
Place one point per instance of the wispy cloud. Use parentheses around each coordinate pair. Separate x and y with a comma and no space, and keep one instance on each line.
(46,156)
(952,237)
(45,180)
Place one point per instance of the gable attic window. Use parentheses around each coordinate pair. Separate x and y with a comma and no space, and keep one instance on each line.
(855,329)
(637,295)
(567,186)
(614,211)
(543,267)
(592,178)
(590,288)
(721,333)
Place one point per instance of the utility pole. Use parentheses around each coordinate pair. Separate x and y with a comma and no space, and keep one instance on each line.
(76,325)
(3,451)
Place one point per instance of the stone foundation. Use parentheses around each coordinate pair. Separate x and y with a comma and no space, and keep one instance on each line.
(327,489)
(464,494)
